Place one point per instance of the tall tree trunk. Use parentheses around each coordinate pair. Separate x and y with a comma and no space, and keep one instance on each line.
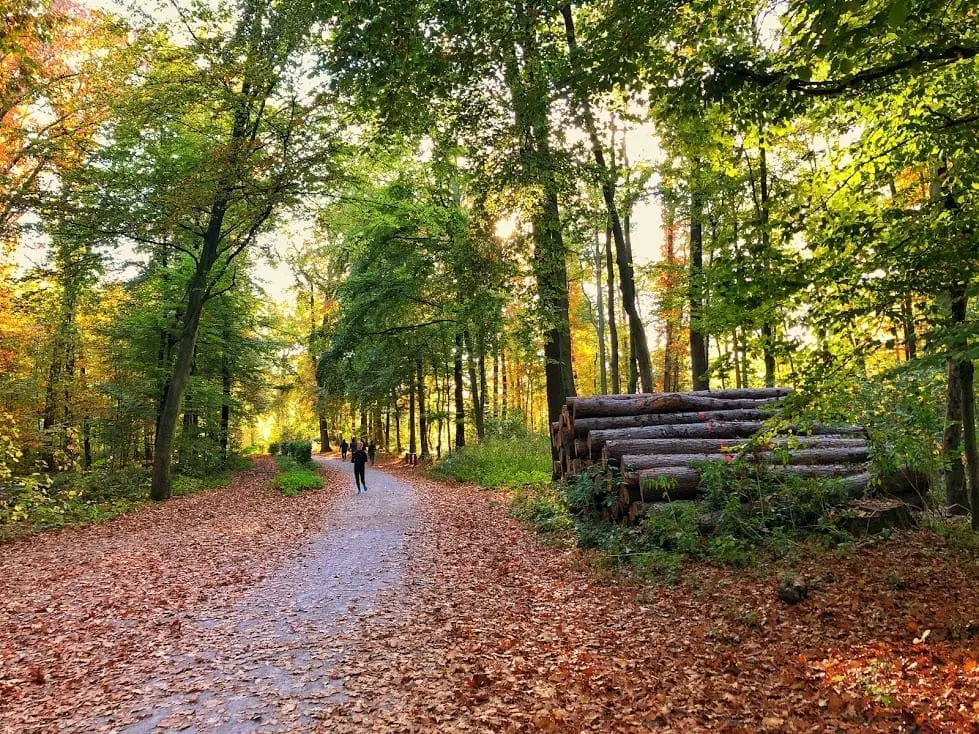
(460,407)
(531,103)
(225,423)
(412,445)
(613,328)
(698,341)
(504,387)
(422,416)
(637,332)
(242,128)
(669,314)
(496,383)
(955,490)
(481,348)
(600,307)
(633,366)
(378,426)
(767,329)
(474,387)
(387,427)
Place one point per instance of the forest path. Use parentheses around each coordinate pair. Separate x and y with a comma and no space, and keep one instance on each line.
(267,663)
(223,611)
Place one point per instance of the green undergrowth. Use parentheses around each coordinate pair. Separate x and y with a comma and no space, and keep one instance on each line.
(295,476)
(747,516)
(499,462)
(71,498)
(520,467)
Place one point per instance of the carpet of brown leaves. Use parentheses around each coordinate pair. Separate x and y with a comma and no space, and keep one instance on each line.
(88,614)
(498,632)
(493,630)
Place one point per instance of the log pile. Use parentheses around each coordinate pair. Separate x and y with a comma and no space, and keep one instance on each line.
(646,448)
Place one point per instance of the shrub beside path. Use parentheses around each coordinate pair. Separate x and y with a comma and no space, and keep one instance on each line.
(422,606)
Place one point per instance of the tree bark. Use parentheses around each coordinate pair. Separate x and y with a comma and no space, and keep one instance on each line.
(698,342)
(460,407)
(600,307)
(797,457)
(583,426)
(422,415)
(737,429)
(530,96)
(225,424)
(637,332)
(613,327)
(614,449)
(660,403)
(955,490)
(412,444)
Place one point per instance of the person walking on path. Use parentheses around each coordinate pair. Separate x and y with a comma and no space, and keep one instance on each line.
(359,459)
(343,448)
(371,451)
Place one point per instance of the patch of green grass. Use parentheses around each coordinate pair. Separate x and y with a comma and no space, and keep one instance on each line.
(295,477)
(500,462)
(541,505)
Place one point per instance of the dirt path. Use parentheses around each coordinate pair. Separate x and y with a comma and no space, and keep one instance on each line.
(266,663)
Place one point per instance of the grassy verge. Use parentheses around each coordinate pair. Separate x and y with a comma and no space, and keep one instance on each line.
(521,467)
(294,477)
(499,462)
(90,497)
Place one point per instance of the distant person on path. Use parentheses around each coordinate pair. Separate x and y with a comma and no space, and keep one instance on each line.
(343,449)
(371,451)
(359,459)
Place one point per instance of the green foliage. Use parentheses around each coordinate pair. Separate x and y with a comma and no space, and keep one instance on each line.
(747,512)
(542,505)
(294,477)
(301,451)
(496,463)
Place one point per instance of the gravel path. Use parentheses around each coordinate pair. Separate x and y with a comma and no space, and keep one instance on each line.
(267,663)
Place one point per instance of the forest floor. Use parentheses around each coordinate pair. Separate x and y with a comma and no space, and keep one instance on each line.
(422,606)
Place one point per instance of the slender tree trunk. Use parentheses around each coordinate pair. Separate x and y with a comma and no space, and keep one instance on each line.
(474,387)
(613,328)
(955,489)
(422,416)
(698,344)
(968,392)
(460,407)
(496,384)
(225,423)
(637,332)
(910,335)
(186,344)
(669,313)
(767,329)
(481,347)
(600,307)
(504,391)
(530,96)
(412,445)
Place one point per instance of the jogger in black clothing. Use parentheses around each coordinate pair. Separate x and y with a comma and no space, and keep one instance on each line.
(371,451)
(359,460)
(343,449)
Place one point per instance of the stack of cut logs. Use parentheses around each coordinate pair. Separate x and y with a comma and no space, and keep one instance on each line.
(649,446)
